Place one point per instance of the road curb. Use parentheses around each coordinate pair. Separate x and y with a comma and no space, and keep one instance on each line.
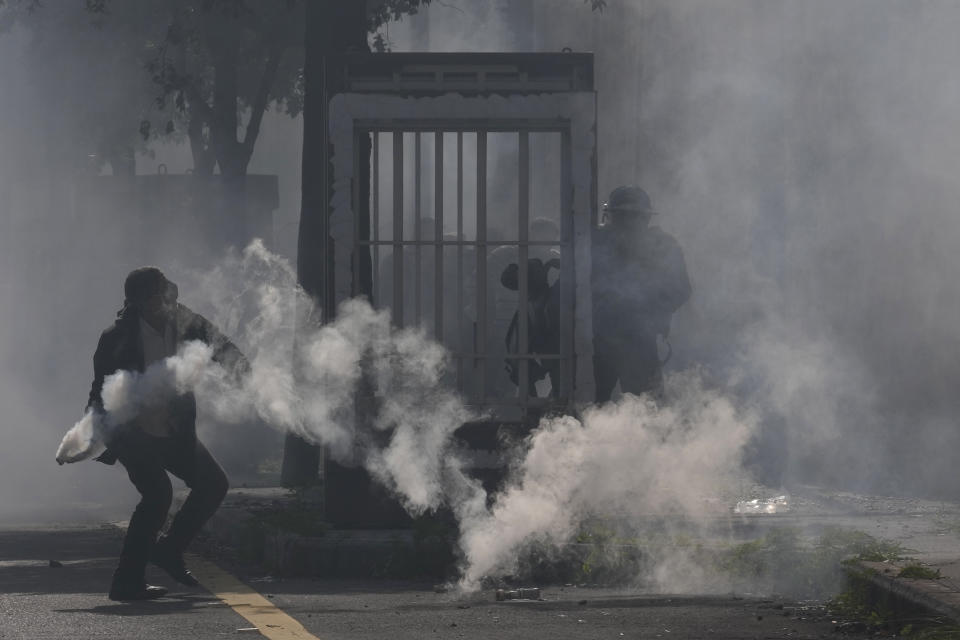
(238,532)
(890,592)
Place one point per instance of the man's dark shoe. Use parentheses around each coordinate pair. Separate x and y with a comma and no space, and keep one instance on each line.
(172,562)
(124,592)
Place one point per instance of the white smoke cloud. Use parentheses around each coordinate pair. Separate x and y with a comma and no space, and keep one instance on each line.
(126,394)
(255,296)
(623,460)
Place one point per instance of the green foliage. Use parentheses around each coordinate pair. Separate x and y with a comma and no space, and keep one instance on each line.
(219,58)
(380,12)
(180,68)
(859,608)
(201,64)
(774,553)
(88,87)
(596,532)
(846,543)
(787,565)
(932,630)
(919,572)
(853,603)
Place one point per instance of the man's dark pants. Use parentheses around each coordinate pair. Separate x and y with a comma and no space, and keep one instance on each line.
(147,460)
(631,359)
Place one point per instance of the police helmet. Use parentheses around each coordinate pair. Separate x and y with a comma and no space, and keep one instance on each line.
(629,200)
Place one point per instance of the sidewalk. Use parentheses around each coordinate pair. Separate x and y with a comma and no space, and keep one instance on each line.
(930,534)
(282,536)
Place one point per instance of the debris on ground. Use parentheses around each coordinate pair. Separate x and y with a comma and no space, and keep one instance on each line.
(54,564)
(779,504)
(530,593)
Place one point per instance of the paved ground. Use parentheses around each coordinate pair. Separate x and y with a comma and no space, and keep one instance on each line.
(39,601)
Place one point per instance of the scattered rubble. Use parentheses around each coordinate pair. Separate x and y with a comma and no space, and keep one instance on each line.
(780,504)
(529,593)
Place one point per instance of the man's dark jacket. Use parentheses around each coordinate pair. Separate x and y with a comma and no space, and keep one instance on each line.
(120,348)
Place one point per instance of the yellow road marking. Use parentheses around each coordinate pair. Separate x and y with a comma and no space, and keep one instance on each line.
(267,618)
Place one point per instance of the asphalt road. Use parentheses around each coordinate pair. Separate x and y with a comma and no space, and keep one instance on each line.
(39,601)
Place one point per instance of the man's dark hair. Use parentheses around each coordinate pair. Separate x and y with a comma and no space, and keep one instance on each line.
(144,282)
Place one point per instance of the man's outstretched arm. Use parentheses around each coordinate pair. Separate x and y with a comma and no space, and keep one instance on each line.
(225,352)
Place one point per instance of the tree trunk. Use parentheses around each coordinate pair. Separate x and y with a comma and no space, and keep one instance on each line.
(225,121)
(204,159)
(123,162)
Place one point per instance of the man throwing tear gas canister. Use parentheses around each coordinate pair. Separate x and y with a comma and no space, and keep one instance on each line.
(639,281)
(162,438)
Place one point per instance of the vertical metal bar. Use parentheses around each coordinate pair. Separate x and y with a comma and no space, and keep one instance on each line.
(460,283)
(398,228)
(523,304)
(375,189)
(438,235)
(482,262)
(567,366)
(355,206)
(417,231)
(326,293)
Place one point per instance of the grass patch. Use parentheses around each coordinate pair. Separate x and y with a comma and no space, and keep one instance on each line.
(919,572)
(932,630)
(782,562)
(859,609)
(863,606)
(846,543)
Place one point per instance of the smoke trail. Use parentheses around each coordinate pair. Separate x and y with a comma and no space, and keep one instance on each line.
(622,460)
(126,394)
(404,371)
(626,459)
(255,297)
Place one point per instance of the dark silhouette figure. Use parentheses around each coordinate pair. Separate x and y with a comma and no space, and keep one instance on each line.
(542,317)
(639,281)
(150,327)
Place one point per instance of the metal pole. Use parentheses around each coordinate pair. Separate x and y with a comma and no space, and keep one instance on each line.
(460,283)
(375,189)
(567,366)
(482,262)
(355,197)
(438,234)
(524,289)
(416,226)
(398,228)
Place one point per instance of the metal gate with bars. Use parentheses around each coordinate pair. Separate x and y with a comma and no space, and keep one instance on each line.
(464,191)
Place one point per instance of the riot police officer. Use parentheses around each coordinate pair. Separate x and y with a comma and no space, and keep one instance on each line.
(639,281)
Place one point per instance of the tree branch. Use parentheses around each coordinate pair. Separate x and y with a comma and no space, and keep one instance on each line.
(261,99)
(197,103)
